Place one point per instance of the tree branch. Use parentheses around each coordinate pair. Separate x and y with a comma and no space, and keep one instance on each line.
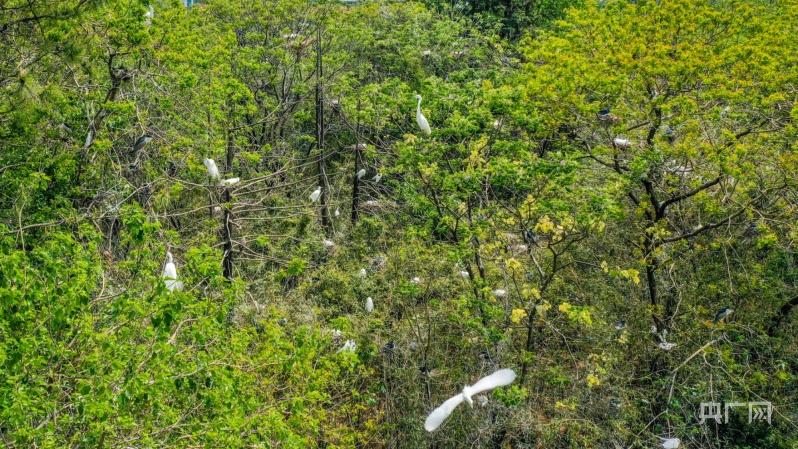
(684,196)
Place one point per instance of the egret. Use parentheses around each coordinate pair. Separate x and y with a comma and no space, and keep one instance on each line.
(328,243)
(500,293)
(665,346)
(663,339)
(361,173)
(315,195)
(415,280)
(620,142)
(520,248)
(362,273)
(426,52)
(349,346)
(671,443)
(377,177)
(170,274)
(230,181)
(337,213)
(421,120)
(369,305)
(723,314)
(464,274)
(149,15)
(500,378)
(213,170)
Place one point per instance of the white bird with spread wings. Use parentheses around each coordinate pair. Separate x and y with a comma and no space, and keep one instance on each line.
(500,378)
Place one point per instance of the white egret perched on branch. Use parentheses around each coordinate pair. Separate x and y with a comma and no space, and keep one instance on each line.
(671,443)
(361,173)
(500,378)
(315,195)
(377,177)
(349,346)
(369,305)
(230,181)
(213,170)
(421,120)
(170,274)
(621,142)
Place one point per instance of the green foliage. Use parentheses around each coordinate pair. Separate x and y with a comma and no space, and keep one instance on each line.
(516,235)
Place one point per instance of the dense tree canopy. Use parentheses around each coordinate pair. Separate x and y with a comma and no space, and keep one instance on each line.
(601,179)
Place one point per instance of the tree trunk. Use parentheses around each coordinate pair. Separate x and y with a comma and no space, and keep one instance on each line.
(227,217)
(356,184)
(325,188)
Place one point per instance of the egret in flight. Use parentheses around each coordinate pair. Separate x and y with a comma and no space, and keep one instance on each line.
(421,120)
(500,378)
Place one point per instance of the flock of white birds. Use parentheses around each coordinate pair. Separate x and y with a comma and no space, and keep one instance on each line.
(500,378)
